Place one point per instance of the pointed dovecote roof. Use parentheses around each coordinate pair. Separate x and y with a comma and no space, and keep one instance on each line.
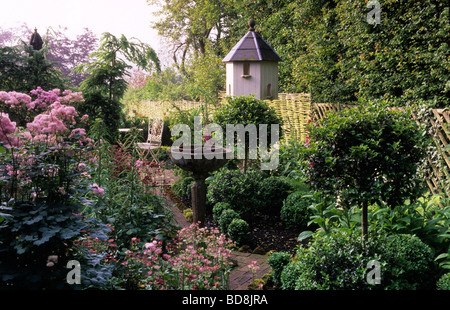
(252,48)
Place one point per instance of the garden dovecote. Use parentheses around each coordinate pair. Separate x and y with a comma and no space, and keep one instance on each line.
(252,67)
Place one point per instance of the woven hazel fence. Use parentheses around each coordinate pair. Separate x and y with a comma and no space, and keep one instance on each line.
(161,109)
(293,109)
(439,122)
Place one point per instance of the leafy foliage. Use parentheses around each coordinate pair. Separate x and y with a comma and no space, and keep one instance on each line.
(24,69)
(277,262)
(292,162)
(444,282)
(273,191)
(192,28)
(219,208)
(246,110)
(238,231)
(166,84)
(236,188)
(36,231)
(225,219)
(403,59)
(182,187)
(331,51)
(105,85)
(295,211)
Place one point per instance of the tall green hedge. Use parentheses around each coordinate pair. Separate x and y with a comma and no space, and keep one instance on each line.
(332,51)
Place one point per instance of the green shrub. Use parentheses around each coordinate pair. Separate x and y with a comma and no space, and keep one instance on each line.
(367,155)
(182,187)
(424,217)
(295,211)
(338,260)
(291,162)
(219,208)
(179,116)
(444,282)
(188,214)
(277,261)
(290,275)
(246,110)
(238,231)
(410,262)
(236,188)
(370,150)
(273,190)
(225,219)
(333,261)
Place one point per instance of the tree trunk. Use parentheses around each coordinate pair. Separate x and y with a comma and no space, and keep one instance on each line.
(246,158)
(364,220)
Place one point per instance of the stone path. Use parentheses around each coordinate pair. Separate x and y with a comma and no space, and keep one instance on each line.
(240,276)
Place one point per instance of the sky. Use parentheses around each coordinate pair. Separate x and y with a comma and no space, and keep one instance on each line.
(129,17)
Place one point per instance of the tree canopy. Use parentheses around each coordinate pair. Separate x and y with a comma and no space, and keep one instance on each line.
(106,82)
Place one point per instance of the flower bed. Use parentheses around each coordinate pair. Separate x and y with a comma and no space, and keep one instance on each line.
(198,258)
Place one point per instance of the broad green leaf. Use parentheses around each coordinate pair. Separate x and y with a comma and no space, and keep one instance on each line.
(304,235)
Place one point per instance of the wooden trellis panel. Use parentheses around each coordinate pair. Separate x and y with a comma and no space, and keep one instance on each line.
(440,122)
(320,109)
